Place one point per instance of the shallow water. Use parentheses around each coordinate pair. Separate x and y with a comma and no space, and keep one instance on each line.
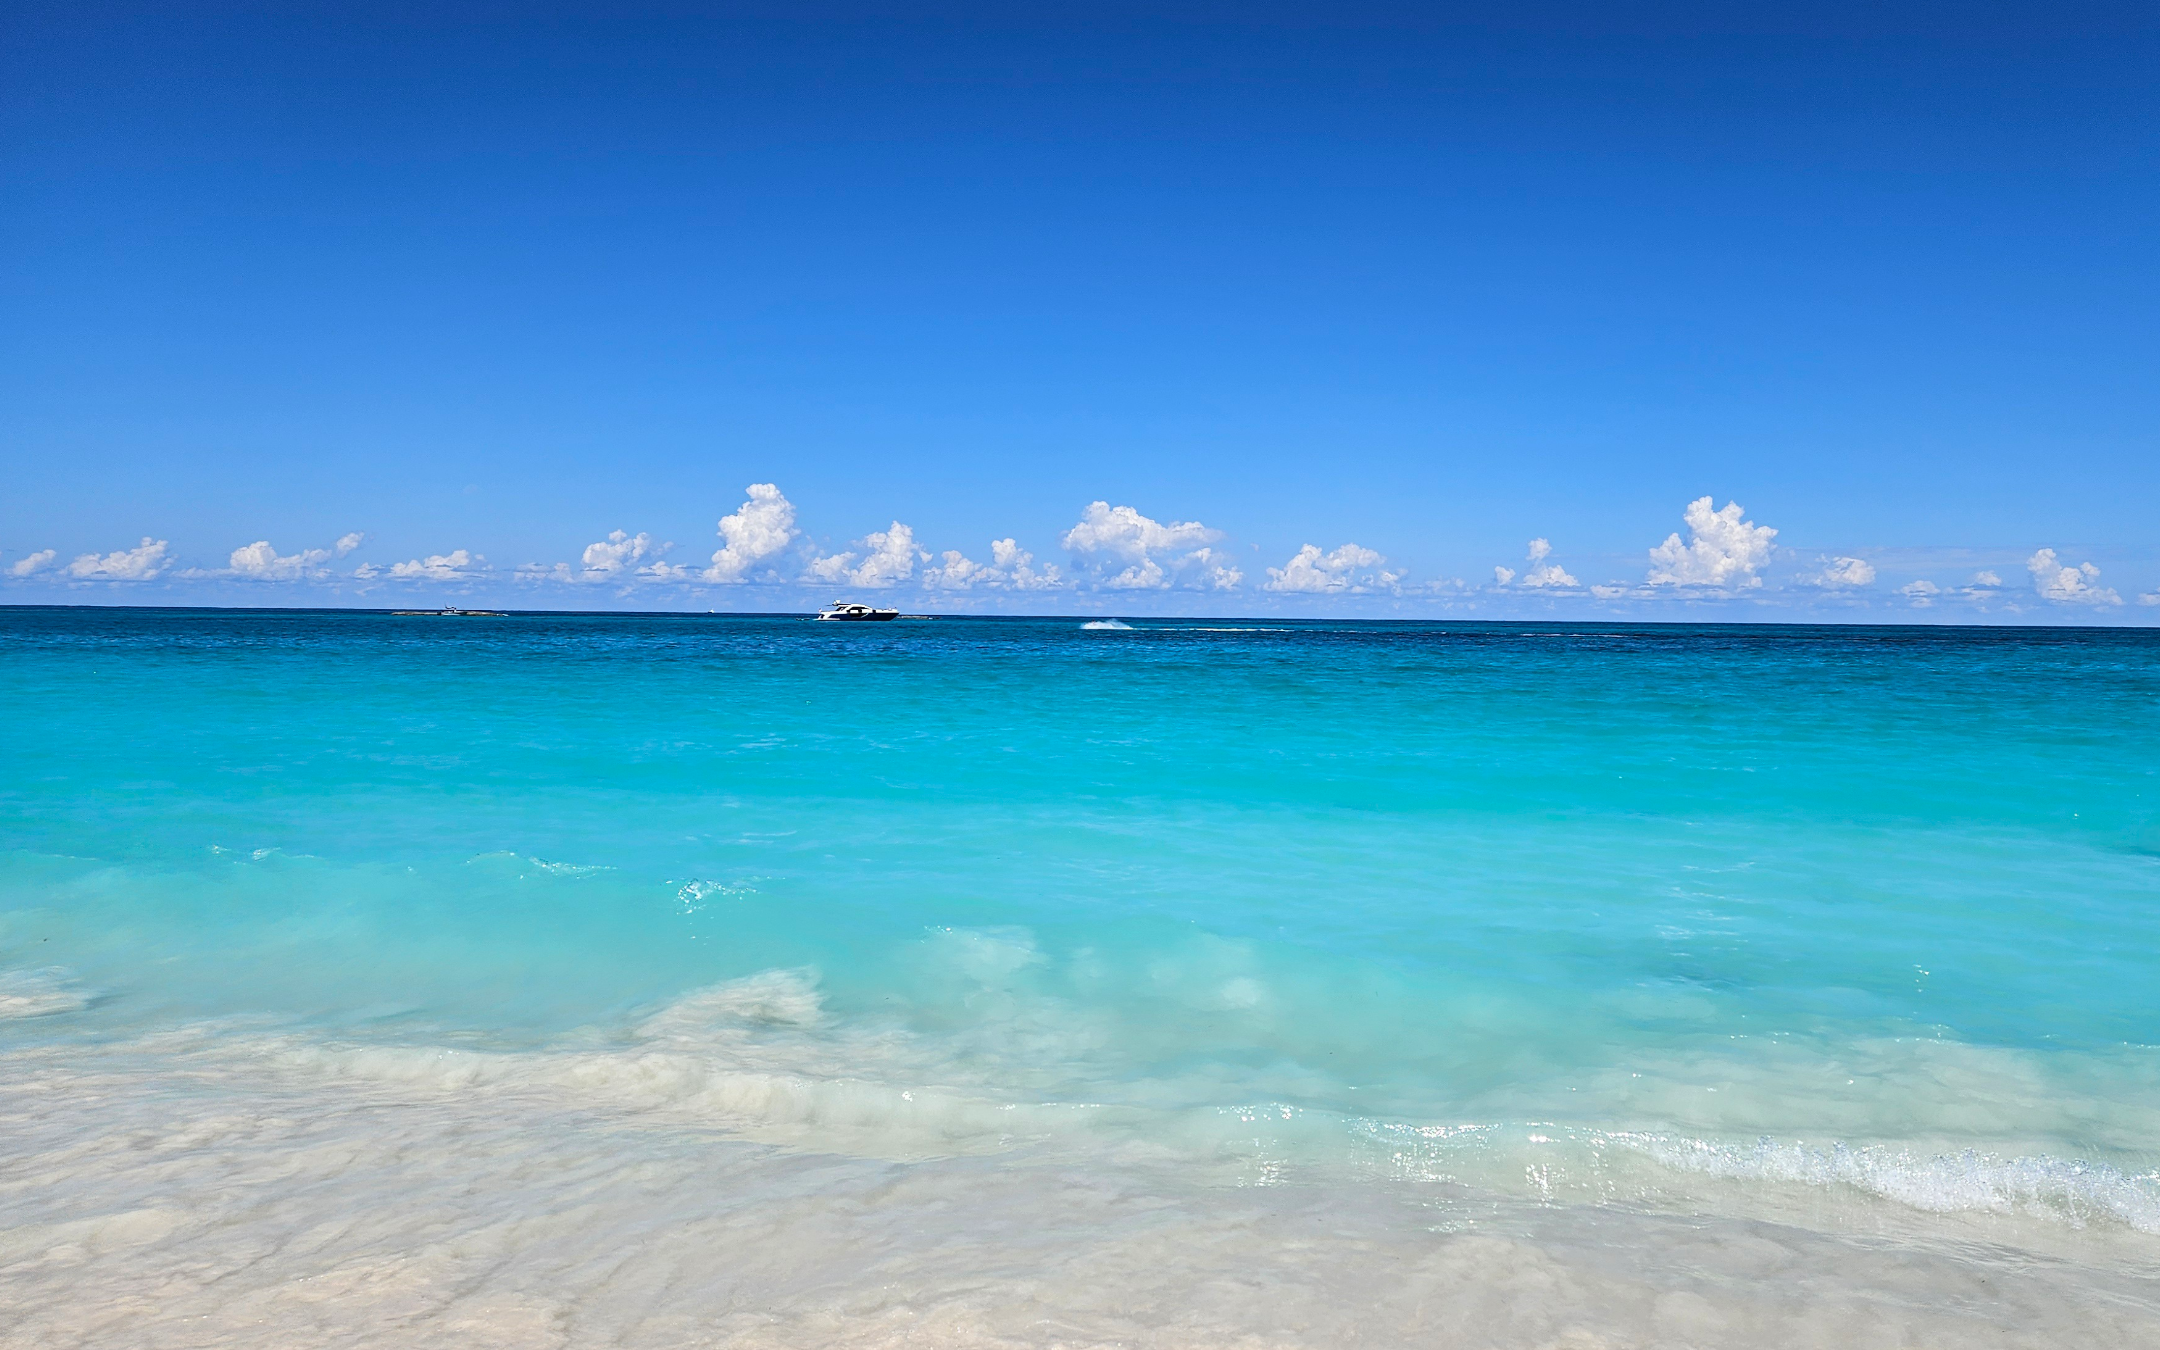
(663,980)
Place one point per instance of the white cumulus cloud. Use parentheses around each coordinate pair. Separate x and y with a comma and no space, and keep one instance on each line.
(605,560)
(456,565)
(1921,593)
(1723,549)
(1122,532)
(758,531)
(1155,556)
(1011,567)
(1214,573)
(1542,574)
(1843,574)
(33,564)
(2065,585)
(1311,572)
(260,562)
(2150,598)
(616,553)
(140,563)
(1145,575)
(888,559)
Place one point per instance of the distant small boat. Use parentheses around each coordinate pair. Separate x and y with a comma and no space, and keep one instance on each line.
(848,611)
(449,612)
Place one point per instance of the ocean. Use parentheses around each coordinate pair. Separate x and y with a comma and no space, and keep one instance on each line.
(630,980)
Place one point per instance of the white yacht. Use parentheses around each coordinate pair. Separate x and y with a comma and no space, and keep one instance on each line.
(849,611)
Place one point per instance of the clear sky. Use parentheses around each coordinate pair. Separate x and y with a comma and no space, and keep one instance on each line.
(298,298)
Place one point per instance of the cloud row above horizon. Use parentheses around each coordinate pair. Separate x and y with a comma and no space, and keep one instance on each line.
(1109,551)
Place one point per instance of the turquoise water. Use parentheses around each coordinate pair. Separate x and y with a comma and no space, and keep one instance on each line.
(1866,911)
(1539,832)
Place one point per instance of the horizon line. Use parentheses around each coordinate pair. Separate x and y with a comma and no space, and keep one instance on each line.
(1139,620)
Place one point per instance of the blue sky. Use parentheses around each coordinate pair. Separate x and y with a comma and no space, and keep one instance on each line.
(1410,285)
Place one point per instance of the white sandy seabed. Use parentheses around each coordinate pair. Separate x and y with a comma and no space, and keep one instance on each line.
(738,1170)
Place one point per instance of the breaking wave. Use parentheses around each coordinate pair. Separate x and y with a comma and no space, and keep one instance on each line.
(2071,1191)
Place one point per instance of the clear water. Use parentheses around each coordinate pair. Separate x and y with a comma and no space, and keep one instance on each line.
(1506,948)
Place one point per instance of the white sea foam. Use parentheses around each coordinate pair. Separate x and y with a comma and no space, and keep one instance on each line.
(562,869)
(2071,1190)
(1107,626)
(694,894)
(505,858)
(1577,1164)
